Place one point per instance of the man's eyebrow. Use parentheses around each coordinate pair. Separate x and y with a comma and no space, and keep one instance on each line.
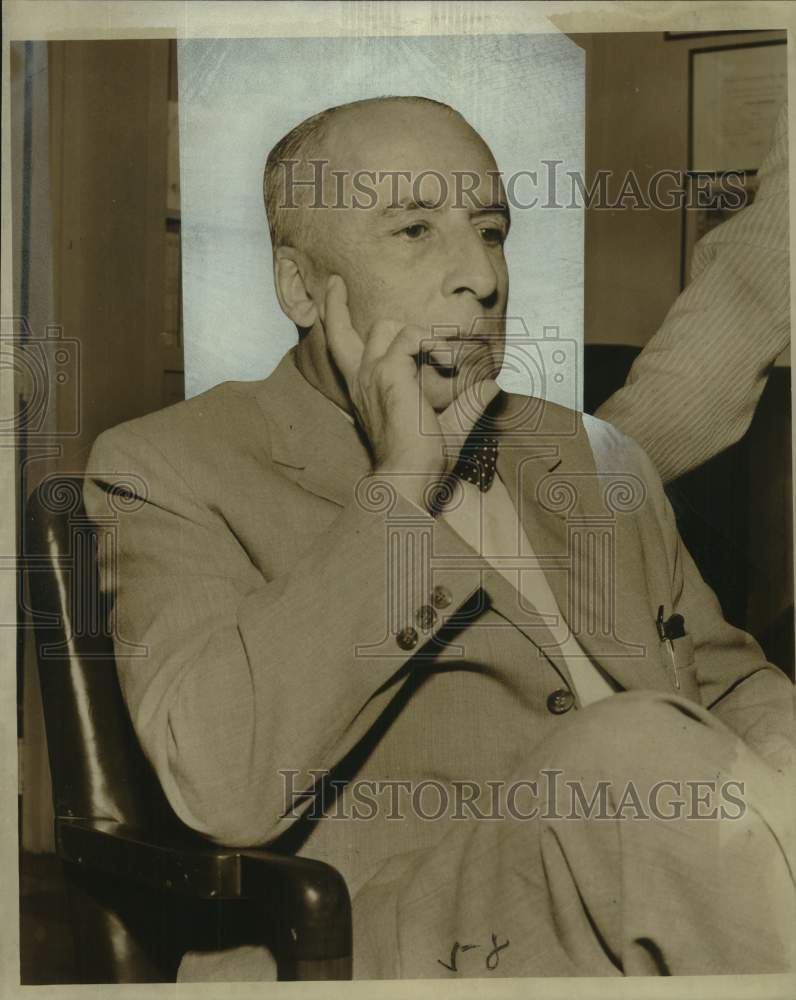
(496,208)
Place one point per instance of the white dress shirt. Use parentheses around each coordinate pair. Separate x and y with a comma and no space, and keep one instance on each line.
(488,523)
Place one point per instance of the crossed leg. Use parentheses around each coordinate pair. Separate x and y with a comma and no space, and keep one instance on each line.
(630,893)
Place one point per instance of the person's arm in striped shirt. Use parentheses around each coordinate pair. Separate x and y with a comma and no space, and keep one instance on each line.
(693,390)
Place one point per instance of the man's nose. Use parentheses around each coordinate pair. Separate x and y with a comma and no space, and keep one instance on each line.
(471,269)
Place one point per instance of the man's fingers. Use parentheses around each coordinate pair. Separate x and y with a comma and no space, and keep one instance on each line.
(412,341)
(452,353)
(343,340)
(379,341)
(399,345)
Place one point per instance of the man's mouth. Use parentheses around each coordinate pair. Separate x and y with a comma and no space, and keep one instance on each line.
(448,361)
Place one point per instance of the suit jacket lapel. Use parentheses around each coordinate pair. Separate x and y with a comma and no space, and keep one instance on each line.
(528,451)
(310,437)
(572,516)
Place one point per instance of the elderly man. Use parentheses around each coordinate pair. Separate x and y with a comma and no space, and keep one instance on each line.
(443,637)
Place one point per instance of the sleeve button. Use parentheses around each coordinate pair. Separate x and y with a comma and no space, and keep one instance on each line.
(407,638)
(441,597)
(425,618)
(560,701)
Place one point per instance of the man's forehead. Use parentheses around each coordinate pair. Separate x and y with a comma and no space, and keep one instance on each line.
(404,137)
(385,159)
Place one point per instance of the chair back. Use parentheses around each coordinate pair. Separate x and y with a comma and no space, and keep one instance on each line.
(98,768)
(122,932)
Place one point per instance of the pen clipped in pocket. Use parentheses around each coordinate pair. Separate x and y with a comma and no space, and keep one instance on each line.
(677,657)
(677,654)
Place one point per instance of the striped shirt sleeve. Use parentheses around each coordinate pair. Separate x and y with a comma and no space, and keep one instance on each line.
(693,390)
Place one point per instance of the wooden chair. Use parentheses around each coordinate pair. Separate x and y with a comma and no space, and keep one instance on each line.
(143,888)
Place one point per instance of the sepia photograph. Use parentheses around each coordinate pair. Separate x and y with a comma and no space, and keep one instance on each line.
(396,423)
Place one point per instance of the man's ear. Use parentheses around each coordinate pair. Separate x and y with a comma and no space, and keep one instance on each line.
(292,271)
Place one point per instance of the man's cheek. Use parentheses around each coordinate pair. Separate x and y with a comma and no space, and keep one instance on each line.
(366,296)
(377,303)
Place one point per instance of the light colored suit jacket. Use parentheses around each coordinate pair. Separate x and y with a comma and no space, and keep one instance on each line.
(258,589)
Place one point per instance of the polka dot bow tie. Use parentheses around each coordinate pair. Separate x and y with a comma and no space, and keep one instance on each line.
(478,461)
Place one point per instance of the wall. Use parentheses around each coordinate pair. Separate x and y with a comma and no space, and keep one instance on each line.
(636,118)
(108,168)
(523,94)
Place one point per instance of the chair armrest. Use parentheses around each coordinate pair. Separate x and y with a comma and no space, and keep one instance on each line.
(314,903)
(309,898)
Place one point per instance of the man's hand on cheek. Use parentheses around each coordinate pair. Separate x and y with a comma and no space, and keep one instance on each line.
(384,383)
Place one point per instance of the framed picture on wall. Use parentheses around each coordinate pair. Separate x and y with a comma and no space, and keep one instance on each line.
(735,94)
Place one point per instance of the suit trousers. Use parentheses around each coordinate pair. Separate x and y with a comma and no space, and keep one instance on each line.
(651,888)
(643,838)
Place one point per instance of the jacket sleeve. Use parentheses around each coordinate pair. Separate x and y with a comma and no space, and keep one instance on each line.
(242,677)
(752,697)
(693,390)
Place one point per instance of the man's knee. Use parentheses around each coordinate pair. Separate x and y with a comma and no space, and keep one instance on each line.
(635,734)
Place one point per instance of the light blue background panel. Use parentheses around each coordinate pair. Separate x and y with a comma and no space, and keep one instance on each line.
(523,93)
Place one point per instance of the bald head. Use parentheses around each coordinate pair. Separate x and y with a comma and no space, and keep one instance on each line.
(315,162)
(378,202)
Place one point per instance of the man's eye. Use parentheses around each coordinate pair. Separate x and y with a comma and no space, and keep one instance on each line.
(414,232)
(492,235)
